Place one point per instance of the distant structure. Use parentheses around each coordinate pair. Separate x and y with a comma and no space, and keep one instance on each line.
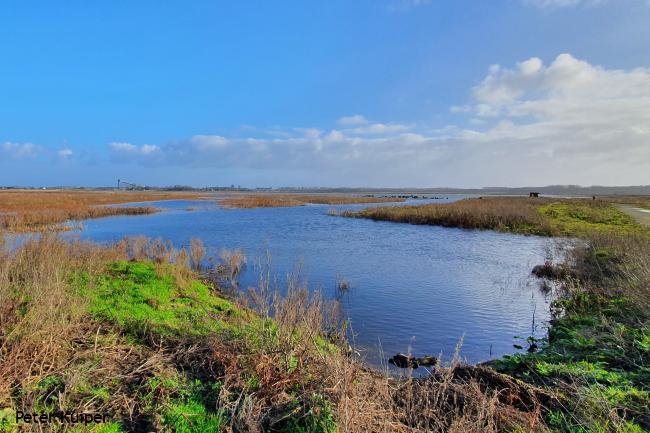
(533,194)
(128,186)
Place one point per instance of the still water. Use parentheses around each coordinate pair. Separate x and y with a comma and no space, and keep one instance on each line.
(417,288)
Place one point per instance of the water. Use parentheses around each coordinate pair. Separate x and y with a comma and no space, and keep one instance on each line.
(418,288)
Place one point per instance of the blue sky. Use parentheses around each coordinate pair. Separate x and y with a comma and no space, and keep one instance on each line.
(331,93)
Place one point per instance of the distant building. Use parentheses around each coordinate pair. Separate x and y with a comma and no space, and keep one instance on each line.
(533,194)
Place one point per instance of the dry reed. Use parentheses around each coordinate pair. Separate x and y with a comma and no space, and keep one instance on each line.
(29,210)
(515,214)
(288,200)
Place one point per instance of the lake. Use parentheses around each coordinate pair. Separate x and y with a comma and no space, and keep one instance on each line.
(417,288)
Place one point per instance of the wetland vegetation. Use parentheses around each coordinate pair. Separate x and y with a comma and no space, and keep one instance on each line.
(529,216)
(34,210)
(154,337)
(287,200)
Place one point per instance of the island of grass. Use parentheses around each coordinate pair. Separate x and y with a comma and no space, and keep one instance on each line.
(38,210)
(290,200)
(529,216)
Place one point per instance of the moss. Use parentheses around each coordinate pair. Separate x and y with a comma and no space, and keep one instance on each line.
(8,420)
(317,417)
(111,427)
(183,405)
(141,298)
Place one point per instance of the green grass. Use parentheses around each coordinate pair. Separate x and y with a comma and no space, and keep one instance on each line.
(141,298)
(543,216)
(319,418)
(581,218)
(600,346)
(183,405)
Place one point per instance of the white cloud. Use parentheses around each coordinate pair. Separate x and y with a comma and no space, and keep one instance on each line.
(533,123)
(64,153)
(356,119)
(380,128)
(568,115)
(147,154)
(20,150)
(209,142)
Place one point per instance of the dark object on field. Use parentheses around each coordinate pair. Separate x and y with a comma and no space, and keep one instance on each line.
(427,361)
(533,194)
(406,361)
(550,271)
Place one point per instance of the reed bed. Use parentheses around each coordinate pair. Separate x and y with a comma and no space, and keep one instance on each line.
(288,200)
(494,213)
(36,210)
(530,216)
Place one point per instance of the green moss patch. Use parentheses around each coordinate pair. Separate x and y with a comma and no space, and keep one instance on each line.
(575,218)
(143,298)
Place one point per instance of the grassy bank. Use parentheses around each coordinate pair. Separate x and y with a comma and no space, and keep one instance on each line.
(133,332)
(597,352)
(534,216)
(34,210)
(288,200)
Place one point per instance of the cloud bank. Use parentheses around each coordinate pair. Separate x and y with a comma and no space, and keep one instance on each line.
(535,122)
(564,122)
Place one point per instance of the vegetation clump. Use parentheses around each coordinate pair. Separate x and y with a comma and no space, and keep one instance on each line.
(28,210)
(529,216)
(289,200)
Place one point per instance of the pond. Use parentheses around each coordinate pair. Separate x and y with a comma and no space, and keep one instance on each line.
(417,288)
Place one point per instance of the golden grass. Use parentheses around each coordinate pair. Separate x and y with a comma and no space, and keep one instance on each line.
(638,201)
(496,213)
(34,210)
(288,200)
(523,215)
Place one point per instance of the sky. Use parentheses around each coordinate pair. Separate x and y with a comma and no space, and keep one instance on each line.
(374,93)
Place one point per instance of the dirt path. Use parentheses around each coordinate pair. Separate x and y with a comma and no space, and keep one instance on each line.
(639,214)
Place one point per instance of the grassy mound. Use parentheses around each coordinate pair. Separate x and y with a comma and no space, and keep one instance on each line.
(544,217)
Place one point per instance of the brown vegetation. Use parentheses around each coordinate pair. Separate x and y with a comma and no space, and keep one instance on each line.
(497,213)
(33,210)
(288,367)
(638,201)
(538,216)
(288,200)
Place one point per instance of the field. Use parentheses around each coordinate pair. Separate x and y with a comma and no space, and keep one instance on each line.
(34,210)
(288,200)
